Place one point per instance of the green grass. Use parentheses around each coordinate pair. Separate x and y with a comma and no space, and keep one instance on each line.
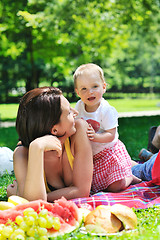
(8,112)
(133,105)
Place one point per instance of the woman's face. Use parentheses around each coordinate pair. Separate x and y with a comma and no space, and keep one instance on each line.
(66,126)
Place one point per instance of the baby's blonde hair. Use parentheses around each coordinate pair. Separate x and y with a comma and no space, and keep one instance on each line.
(88,68)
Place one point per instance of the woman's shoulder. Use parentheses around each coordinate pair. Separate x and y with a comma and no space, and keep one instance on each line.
(81,128)
(20,151)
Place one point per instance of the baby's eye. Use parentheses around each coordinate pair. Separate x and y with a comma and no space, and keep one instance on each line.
(95,86)
(83,89)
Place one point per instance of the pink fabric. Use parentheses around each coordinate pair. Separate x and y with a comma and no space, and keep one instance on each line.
(142,195)
(110,165)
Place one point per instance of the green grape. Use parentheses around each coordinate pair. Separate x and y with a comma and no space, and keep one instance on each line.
(19,231)
(42,231)
(23,226)
(56,223)
(50,221)
(43,238)
(31,238)
(43,213)
(7,231)
(18,237)
(19,219)
(31,231)
(1,228)
(33,214)
(42,222)
(1,237)
(28,211)
(29,220)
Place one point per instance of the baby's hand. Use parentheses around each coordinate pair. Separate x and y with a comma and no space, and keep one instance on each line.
(90,132)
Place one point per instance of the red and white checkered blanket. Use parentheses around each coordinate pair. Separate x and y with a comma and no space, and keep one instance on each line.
(142,195)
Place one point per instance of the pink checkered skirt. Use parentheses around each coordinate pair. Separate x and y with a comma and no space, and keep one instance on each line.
(110,165)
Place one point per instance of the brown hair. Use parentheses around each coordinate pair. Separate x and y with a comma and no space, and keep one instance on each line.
(39,110)
(88,68)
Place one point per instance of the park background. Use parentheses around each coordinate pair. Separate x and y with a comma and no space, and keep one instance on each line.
(43,42)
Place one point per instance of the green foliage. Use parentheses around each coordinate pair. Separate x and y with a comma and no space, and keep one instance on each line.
(48,40)
(8,137)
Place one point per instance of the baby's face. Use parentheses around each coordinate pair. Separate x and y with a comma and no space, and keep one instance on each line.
(90,88)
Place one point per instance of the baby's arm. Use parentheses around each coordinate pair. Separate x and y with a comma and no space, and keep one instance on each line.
(107,136)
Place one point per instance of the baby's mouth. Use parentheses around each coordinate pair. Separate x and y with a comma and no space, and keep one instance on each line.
(91,98)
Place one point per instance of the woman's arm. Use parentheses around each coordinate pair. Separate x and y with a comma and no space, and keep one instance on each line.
(34,187)
(29,167)
(82,168)
(20,162)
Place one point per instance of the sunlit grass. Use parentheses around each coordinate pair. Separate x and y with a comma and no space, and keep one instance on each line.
(9,111)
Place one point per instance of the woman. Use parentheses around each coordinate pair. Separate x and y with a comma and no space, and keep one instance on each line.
(55,151)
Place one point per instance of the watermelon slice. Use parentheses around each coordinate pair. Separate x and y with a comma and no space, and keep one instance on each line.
(66,211)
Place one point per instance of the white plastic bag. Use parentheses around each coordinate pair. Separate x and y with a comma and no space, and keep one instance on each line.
(6,160)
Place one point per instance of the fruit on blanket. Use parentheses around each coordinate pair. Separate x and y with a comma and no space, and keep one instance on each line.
(125,215)
(6,205)
(101,220)
(110,219)
(17,200)
(37,218)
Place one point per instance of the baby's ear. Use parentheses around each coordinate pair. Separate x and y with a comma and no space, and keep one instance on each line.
(104,87)
(76,90)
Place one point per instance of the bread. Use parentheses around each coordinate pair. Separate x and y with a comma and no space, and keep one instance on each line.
(101,220)
(110,219)
(126,215)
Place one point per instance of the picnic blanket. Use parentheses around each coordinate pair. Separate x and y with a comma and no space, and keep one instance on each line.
(142,195)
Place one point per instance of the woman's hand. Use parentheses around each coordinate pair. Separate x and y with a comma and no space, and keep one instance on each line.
(48,143)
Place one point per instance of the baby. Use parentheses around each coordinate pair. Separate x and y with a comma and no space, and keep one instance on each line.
(112,163)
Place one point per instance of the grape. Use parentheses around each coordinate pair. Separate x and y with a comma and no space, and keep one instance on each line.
(1,228)
(31,231)
(56,223)
(28,211)
(7,231)
(50,222)
(17,237)
(1,237)
(31,238)
(43,238)
(23,226)
(42,222)
(19,232)
(33,214)
(29,220)
(19,219)
(42,231)
(43,213)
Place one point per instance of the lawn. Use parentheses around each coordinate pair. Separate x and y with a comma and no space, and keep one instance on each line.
(134,133)
(8,112)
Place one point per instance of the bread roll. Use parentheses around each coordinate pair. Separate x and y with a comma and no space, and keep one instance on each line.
(126,215)
(101,220)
